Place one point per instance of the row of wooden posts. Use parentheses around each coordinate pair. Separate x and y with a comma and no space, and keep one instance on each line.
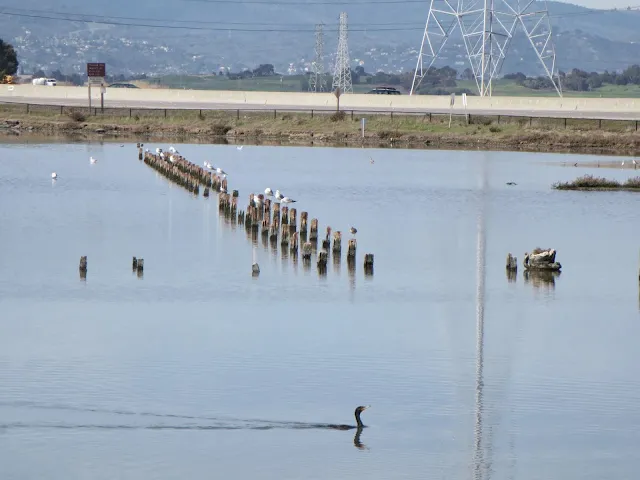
(263,216)
(136,266)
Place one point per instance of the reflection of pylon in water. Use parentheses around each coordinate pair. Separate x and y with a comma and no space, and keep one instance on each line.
(342,70)
(317,82)
(487,27)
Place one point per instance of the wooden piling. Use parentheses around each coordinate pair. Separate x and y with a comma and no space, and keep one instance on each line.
(285,215)
(134,264)
(294,243)
(292,220)
(307,250)
(368,264)
(303,225)
(140,265)
(83,264)
(265,228)
(284,235)
(322,261)
(337,243)
(351,248)
(512,263)
(313,230)
(326,243)
(206,192)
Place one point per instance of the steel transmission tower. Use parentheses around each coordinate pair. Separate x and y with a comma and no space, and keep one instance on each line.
(317,82)
(487,27)
(342,70)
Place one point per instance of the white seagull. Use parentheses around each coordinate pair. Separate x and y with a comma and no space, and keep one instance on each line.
(158,151)
(207,165)
(279,195)
(92,160)
(173,150)
(268,192)
(219,171)
(54,175)
(288,200)
(257,200)
(240,147)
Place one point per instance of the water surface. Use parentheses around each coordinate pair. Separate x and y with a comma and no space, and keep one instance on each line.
(198,369)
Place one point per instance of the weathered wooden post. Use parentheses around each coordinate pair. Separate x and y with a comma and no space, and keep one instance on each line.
(368,264)
(337,92)
(294,244)
(83,267)
(303,225)
(326,243)
(351,249)
(512,268)
(313,230)
(337,243)
(307,250)
(322,261)
(284,238)
(134,264)
(292,220)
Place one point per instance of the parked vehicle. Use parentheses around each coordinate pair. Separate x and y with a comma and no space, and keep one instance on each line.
(385,91)
(122,85)
(50,82)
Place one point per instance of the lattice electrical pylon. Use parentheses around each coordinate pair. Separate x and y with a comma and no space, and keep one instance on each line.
(487,27)
(317,81)
(342,70)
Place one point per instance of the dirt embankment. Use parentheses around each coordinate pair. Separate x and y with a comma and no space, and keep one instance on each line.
(300,129)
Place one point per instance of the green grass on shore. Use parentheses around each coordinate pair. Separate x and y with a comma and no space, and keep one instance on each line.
(589,182)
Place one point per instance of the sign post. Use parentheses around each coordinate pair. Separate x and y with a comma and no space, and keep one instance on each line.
(451,104)
(363,122)
(337,92)
(464,103)
(96,73)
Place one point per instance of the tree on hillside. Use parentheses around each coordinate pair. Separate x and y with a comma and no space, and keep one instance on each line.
(8,59)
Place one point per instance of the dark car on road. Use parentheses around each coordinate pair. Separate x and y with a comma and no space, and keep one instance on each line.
(122,85)
(384,91)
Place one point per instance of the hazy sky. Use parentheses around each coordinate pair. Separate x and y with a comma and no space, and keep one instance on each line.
(603,3)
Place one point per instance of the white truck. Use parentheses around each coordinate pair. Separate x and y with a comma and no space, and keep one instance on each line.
(50,82)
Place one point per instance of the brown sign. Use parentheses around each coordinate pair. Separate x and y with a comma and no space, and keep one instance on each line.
(96,70)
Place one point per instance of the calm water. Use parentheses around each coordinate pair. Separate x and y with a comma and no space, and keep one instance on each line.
(198,370)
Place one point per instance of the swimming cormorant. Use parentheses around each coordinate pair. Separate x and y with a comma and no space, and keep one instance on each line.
(359,425)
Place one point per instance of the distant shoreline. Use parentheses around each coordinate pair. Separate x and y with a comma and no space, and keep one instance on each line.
(331,129)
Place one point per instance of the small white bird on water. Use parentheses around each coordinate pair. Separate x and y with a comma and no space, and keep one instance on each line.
(240,147)
(268,192)
(92,160)
(54,175)
(288,200)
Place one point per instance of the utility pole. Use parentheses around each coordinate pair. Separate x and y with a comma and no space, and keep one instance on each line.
(342,70)
(487,31)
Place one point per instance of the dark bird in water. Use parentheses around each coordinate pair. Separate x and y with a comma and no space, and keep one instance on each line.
(359,425)
(353,230)
(511,183)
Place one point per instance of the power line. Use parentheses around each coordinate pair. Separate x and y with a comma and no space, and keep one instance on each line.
(165,20)
(171,23)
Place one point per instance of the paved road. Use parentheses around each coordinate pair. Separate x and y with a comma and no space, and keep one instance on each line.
(143,104)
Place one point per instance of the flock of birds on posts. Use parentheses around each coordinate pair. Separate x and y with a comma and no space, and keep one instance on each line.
(267,214)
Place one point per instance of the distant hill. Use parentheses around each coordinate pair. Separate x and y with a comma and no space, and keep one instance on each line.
(147,37)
